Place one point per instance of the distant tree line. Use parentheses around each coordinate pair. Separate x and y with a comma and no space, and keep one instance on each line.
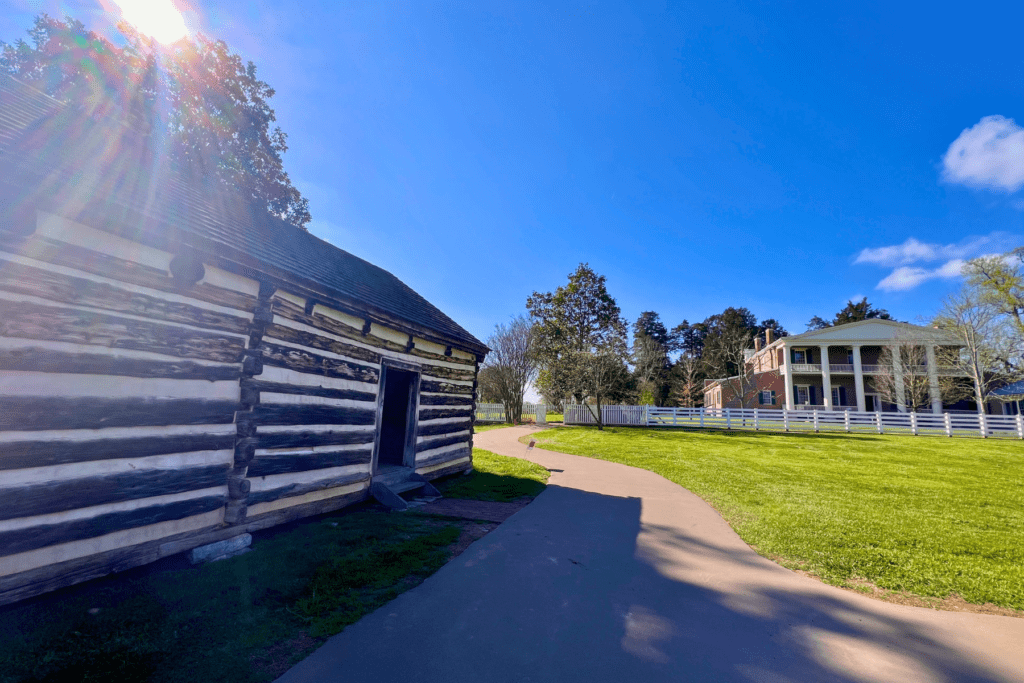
(575,346)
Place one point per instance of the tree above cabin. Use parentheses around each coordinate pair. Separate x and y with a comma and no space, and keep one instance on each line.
(199,102)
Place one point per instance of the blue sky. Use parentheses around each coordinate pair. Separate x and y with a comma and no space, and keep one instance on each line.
(779,156)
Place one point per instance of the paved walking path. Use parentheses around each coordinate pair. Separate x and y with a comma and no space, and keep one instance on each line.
(616,574)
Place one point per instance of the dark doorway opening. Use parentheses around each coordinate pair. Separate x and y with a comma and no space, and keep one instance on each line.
(396,417)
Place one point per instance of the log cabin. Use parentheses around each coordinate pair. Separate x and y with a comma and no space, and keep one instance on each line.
(179,368)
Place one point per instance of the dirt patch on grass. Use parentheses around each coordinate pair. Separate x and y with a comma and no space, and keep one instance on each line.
(487,511)
(951,603)
(471,532)
(277,659)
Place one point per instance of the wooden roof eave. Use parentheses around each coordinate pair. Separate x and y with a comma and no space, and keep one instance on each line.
(166,236)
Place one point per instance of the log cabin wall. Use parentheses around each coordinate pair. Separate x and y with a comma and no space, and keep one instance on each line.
(315,416)
(143,413)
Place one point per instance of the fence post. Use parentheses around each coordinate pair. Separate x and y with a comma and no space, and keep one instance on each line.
(982,425)
(755,419)
(947,420)
(913,424)
(1020,425)
(846,420)
(728,419)
(675,414)
(541,412)
(815,412)
(647,416)
(785,419)
(702,418)
(878,417)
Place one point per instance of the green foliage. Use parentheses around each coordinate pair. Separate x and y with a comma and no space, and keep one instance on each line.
(851,313)
(208,110)
(580,340)
(576,317)
(929,516)
(1000,281)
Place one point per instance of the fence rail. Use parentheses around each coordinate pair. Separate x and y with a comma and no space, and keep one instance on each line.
(917,424)
(495,412)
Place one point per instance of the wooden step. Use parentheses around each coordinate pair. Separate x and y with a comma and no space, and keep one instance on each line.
(388,486)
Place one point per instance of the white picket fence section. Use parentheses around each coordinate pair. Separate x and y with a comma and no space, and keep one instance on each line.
(495,412)
(917,424)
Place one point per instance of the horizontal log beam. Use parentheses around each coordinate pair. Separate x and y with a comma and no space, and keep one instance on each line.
(97,263)
(15,587)
(265,465)
(306,439)
(289,310)
(438,372)
(302,390)
(301,489)
(315,341)
(60,496)
(35,413)
(438,387)
(317,507)
(32,538)
(457,468)
(439,413)
(87,260)
(22,454)
(33,359)
(448,427)
(441,442)
(311,415)
(32,321)
(443,400)
(79,291)
(444,457)
(304,361)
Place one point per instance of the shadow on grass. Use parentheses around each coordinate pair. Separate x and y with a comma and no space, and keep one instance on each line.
(243,619)
(491,487)
(576,588)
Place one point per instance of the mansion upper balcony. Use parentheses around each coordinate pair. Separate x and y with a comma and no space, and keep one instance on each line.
(867,369)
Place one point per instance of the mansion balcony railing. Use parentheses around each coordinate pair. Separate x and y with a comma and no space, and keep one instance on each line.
(847,369)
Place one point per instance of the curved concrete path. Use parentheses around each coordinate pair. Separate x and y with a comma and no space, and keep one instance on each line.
(616,574)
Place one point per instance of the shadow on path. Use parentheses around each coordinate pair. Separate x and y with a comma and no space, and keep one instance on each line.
(563,592)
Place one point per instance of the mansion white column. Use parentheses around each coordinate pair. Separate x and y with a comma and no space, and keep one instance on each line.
(858,379)
(826,378)
(787,373)
(933,380)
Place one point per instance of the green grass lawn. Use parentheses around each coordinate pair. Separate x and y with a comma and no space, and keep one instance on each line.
(929,516)
(248,618)
(497,478)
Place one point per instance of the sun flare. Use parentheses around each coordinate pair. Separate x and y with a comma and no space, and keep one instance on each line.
(159,19)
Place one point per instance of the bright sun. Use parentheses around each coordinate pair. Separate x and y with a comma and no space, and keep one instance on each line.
(159,19)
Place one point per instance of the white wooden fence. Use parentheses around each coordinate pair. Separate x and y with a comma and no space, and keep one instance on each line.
(917,424)
(495,412)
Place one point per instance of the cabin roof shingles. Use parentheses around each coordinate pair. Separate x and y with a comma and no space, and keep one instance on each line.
(133,185)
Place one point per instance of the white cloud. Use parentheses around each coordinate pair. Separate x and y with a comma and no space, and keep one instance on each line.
(990,154)
(906,277)
(914,251)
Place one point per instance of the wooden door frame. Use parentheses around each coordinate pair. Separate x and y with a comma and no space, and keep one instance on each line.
(412,411)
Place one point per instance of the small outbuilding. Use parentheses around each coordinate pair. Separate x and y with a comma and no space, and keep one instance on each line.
(178,368)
